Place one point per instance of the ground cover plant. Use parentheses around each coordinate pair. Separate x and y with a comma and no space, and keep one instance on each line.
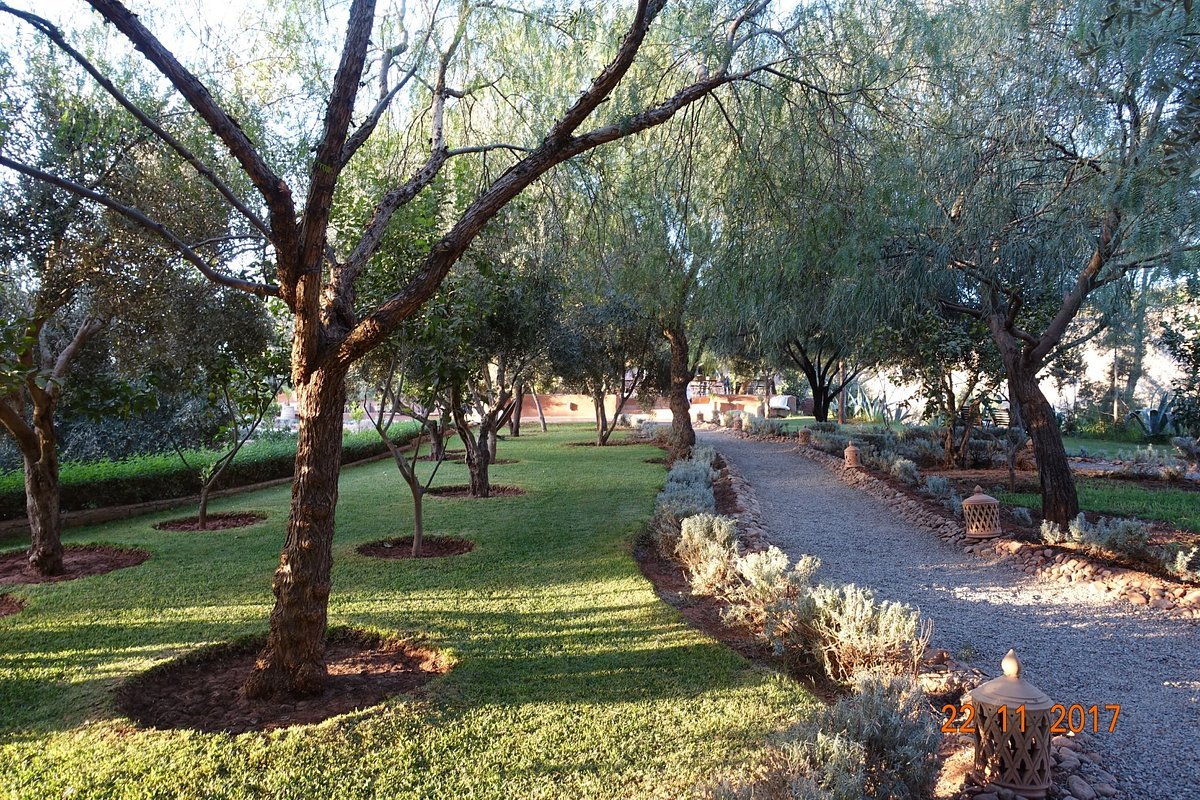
(570,677)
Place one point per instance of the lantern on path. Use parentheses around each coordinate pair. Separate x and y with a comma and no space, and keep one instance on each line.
(851,454)
(981,514)
(1012,732)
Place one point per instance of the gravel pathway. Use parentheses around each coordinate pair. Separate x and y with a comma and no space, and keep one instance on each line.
(1076,648)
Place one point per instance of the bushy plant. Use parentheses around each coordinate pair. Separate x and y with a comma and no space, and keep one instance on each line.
(687,492)
(832,443)
(1189,449)
(689,471)
(707,549)
(764,581)
(762,426)
(703,454)
(1121,537)
(727,418)
(1149,463)
(879,742)
(1184,563)
(823,427)
(851,631)
(1022,516)
(937,486)
(906,472)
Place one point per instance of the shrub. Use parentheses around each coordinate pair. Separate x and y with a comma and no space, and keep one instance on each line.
(1022,516)
(1148,463)
(852,632)
(764,581)
(703,454)
(1121,537)
(707,550)
(1184,563)
(687,492)
(906,472)
(823,427)
(689,471)
(832,443)
(652,431)
(727,418)
(762,426)
(937,486)
(879,742)
(1189,450)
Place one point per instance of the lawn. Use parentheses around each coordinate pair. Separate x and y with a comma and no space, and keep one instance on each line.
(1177,507)
(572,679)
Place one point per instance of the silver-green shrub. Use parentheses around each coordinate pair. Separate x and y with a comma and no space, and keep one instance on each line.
(937,486)
(851,631)
(906,472)
(765,581)
(1022,516)
(879,742)
(1121,537)
(707,549)
(1185,563)
(762,426)
(703,454)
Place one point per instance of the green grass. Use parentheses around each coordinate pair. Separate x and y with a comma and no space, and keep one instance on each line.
(1176,507)
(572,679)
(1111,448)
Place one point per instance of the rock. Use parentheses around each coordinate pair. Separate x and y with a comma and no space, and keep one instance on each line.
(1104,790)
(1080,788)
(1104,777)
(987,796)
(1069,762)
(1161,602)
(1137,598)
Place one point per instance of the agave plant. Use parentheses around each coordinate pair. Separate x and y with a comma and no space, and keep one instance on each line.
(1155,419)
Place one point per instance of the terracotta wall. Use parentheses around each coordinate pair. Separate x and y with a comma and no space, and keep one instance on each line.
(579,408)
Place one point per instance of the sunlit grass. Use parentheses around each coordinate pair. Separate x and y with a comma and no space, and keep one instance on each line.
(572,679)
(1176,507)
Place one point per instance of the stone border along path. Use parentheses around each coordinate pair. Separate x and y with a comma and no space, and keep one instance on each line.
(1076,646)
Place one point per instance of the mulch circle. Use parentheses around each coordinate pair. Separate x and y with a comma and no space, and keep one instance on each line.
(656,460)
(499,462)
(79,561)
(10,605)
(202,690)
(216,522)
(461,491)
(431,547)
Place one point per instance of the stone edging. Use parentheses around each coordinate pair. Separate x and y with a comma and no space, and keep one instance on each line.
(1062,566)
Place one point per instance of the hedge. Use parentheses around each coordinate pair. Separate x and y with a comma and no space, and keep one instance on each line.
(163,476)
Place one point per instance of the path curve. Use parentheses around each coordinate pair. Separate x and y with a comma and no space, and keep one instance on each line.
(1077,648)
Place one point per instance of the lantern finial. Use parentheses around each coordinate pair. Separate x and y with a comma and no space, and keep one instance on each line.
(1011,664)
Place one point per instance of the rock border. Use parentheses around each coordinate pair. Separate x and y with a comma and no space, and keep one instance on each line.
(1056,564)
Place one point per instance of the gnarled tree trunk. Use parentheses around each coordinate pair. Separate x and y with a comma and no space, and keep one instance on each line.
(293,661)
(683,435)
(1060,502)
(42,502)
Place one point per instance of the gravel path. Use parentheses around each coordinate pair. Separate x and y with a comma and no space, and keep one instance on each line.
(1076,648)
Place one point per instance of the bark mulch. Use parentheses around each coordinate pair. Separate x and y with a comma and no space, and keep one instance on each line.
(461,491)
(78,562)
(431,547)
(10,605)
(202,691)
(216,522)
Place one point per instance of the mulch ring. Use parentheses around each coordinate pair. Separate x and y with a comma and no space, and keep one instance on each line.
(431,547)
(79,561)
(461,491)
(202,690)
(10,605)
(216,522)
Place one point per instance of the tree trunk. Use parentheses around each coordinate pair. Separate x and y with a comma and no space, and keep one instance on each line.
(202,512)
(842,393)
(683,436)
(514,421)
(1060,503)
(492,440)
(601,419)
(293,661)
(42,504)
(418,496)
(541,414)
(477,466)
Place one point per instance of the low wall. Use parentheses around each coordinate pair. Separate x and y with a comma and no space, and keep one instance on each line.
(579,407)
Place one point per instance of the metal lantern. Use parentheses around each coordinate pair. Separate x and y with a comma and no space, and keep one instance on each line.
(1012,732)
(981,514)
(851,454)
(804,436)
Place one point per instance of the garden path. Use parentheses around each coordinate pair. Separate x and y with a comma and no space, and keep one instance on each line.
(1077,648)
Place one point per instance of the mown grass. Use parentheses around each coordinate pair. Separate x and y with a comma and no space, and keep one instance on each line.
(572,678)
(1177,507)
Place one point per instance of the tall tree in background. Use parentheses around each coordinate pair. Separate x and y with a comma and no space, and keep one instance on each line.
(1057,161)
(456,55)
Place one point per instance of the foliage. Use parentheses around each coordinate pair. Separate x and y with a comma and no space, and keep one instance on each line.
(1176,507)
(1022,517)
(851,631)
(706,549)
(1181,339)
(1127,538)
(142,479)
(1189,449)
(556,657)
(906,472)
(937,486)
(763,426)
(1155,420)
(765,580)
(878,742)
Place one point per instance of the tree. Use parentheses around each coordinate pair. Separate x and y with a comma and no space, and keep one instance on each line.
(1057,162)
(316,268)
(72,272)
